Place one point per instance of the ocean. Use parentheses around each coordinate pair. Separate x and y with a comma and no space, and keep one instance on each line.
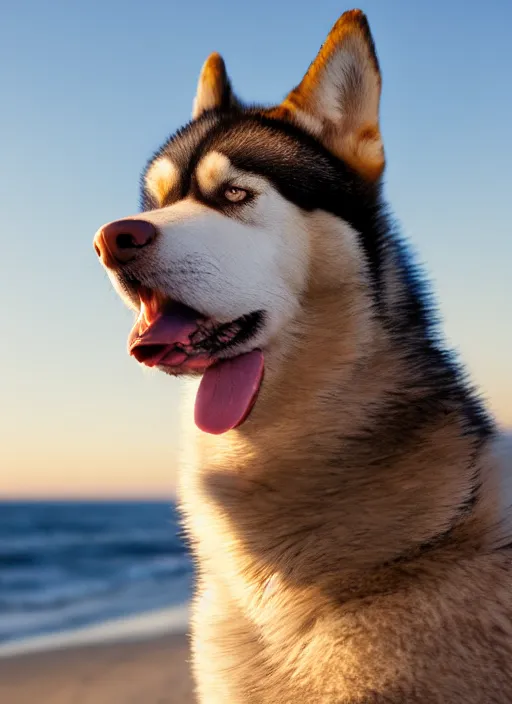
(65,565)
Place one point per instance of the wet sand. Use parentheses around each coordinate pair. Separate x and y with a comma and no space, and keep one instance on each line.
(154,671)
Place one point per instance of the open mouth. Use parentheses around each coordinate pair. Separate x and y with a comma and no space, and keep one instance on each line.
(180,340)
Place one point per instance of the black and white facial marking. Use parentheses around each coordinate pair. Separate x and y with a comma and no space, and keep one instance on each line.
(228,255)
(291,160)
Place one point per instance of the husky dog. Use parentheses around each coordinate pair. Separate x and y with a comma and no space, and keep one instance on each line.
(341,489)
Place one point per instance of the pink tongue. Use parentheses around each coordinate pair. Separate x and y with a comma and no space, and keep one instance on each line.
(156,343)
(228,391)
(229,387)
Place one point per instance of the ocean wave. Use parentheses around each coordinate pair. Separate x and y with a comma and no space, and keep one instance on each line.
(63,565)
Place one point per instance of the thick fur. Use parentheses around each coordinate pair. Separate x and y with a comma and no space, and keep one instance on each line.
(350,538)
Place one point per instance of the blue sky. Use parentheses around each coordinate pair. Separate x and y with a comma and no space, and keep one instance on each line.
(90,89)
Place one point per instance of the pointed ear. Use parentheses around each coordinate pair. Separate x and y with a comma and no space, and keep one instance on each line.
(214,88)
(338,98)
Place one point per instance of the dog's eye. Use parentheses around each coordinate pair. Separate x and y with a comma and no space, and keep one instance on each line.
(235,194)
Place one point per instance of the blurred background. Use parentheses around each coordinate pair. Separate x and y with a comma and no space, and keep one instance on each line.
(89,90)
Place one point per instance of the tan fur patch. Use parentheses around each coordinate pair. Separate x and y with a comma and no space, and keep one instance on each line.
(161,178)
(213,170)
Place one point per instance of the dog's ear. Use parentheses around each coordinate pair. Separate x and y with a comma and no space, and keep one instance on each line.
(214,88)
(338,98)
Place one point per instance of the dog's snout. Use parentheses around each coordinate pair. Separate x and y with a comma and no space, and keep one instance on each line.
(118,242)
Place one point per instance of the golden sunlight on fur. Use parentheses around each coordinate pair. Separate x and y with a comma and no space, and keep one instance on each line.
(213,87)
(340,93)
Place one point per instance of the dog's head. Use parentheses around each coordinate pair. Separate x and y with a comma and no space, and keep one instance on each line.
(246,211)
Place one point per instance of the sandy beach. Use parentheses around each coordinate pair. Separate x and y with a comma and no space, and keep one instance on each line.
(153,671)
(142,659)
